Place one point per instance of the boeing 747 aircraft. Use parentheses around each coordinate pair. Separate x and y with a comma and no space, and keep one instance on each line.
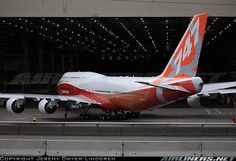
(129,95)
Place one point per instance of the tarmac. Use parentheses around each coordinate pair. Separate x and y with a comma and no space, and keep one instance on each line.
(164,114)
(168,131)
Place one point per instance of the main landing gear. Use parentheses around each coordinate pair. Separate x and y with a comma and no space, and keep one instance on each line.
(118,115)
(85,114)
(111,115)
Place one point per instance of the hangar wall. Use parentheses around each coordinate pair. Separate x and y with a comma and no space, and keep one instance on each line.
(116,8)
(30,43)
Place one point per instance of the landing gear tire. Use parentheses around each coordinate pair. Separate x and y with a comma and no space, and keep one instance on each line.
(128,115)
(102,117)
(118,115)
(108,117)
(122,116)
(135,114)
(84,117)
(105,117)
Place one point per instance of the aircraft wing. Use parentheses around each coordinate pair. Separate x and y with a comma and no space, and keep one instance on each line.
(224,91)
(218,88)
(37,97)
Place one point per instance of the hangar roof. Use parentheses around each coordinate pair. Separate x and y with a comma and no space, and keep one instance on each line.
(117,39)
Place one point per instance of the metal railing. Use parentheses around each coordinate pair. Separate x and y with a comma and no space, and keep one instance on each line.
(124,123)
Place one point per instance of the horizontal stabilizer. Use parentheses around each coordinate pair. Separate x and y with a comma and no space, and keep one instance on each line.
(166,86)
(219,91)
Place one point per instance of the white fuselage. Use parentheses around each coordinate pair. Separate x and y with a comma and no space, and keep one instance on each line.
(127,93)
(95,82)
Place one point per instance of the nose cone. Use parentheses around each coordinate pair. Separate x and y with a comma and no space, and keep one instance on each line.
(198,83)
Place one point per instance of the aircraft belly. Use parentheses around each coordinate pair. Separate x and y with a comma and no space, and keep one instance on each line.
(136,100)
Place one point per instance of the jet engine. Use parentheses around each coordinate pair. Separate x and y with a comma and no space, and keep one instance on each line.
(196,101)
(46,106)
(15,105)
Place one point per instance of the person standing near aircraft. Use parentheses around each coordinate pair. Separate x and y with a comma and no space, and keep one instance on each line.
(34,119)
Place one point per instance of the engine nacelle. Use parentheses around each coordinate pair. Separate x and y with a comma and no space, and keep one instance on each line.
(15,105)
(196,101)
(46,106)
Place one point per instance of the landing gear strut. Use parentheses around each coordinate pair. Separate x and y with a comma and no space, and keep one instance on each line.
(107,116)
(85,115)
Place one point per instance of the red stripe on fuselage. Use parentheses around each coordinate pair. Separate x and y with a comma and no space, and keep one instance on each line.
(137,100)
(133,101)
